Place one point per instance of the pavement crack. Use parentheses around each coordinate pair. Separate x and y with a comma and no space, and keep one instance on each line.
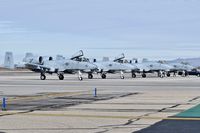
(171,107)
(24,112)
(131,121)
(194,99)
(104,131)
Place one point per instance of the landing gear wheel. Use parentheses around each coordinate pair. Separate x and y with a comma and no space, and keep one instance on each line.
(80,78)
(168,75)
(133,75)
(162,76)
(90,76)
(122,77)
(144,75)
(186,74)
(103,76)
(61,77)
(180,73)
(42,77)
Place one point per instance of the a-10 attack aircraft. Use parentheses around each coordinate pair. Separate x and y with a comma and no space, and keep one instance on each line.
(105,66)
(146,67)
(78,64)
(61,66)
(133,68)
(112,67)
(179,68)
(153,66)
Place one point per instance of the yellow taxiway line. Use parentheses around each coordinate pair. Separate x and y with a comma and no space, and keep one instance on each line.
(111,117)
(98,116)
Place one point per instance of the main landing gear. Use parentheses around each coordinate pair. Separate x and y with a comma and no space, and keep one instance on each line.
(144,75)
(42,76)
(168,74)
(133,75)
(103,76)
(90,76)
(61,76)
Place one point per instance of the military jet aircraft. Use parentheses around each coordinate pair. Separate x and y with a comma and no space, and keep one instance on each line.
(112,67)
(60,67)
(179,68)
(79,56)
(144,67)
(105,66)
(151,67)
(133,68)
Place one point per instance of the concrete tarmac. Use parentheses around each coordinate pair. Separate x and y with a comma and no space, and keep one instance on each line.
(121,106)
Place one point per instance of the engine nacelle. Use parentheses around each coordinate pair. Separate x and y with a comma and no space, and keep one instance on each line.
(50,58)
(41,60)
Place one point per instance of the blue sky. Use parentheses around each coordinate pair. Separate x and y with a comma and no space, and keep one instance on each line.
(152,29)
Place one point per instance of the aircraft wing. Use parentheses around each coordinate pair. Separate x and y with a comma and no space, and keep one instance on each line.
(34,66)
